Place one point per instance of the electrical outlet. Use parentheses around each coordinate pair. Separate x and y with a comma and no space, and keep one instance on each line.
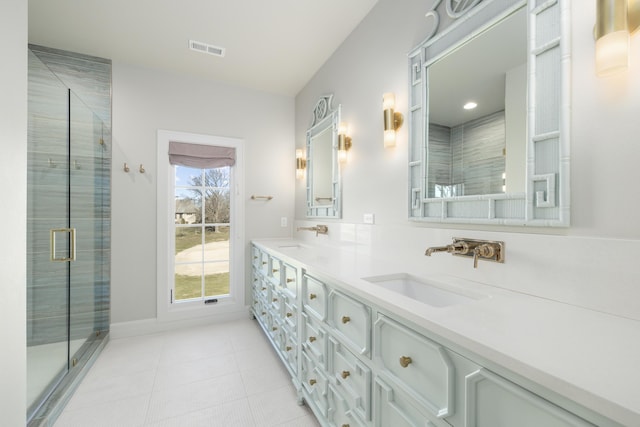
(283,221)
(369,218)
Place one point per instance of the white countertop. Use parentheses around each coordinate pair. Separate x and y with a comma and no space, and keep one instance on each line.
(589,357)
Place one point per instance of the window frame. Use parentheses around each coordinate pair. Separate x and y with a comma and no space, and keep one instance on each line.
(235,302)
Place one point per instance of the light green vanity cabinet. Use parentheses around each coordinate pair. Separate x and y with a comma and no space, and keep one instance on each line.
(275,306)
(357,365)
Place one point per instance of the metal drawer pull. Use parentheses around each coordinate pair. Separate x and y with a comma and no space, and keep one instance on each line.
(264,312)
(312,339)
(312,381)
(290,280)
(345,374)
(275,270)
(275,300)
(288,348)
(345,425)
(289,314)
(264,262)
(264,288)
(346,319)
(275,328)
(313,296)
(405,361)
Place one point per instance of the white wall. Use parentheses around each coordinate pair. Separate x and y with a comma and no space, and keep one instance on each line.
(591,264)
(145,100)
(13,176)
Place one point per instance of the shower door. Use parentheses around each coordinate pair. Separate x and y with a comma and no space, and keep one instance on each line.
(65,233)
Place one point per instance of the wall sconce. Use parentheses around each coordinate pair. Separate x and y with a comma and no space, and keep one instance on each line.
(344,142)
(301,164)
(392,119)
(615,21)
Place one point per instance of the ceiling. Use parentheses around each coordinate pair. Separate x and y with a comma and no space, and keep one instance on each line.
(274,46)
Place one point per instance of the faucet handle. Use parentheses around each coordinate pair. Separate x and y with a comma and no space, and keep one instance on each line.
(485,250)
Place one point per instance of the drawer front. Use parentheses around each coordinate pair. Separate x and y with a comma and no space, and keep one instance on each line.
(353,377)
(494,401)
(314,298)
(352,320)
(276,302)
(314,383)
(290,279)
(397,410)
(274,272)
(339,413)
(417,364)
(290,312)
(289,350)
(256,256)
(314,339)
(263,263)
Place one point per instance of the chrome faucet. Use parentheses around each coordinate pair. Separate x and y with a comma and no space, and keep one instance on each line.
(319,229)
(478,249)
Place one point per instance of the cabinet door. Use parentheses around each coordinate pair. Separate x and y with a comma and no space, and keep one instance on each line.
(351,320)
(394,409)
(493,401)
(290,277)
(339,412)
(314,298)
(352,376)
(416,363)
(314,383)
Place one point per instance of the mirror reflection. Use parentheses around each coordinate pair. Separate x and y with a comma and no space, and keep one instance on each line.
(477,114)
(321,145)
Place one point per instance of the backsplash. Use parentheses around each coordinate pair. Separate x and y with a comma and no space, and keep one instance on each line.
(593,273)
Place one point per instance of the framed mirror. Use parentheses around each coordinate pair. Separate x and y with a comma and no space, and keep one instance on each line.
(489,116)
(323,169)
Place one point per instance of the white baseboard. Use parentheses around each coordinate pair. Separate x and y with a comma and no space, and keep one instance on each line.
(154,326)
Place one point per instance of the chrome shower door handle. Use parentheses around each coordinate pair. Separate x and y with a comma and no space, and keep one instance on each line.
(72,244)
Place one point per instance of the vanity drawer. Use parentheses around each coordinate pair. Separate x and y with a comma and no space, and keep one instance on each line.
(339,412)
(289,349)
(351,320)
(353,377)
(274,272)
(420,366)
(494,401)
(276,303)
(314,298)
(395,408)
(262,263)
(290,312)
(314,383)
(314,338)
(290,279)
(256,257)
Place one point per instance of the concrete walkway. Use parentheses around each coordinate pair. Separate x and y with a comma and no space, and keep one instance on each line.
(212,251)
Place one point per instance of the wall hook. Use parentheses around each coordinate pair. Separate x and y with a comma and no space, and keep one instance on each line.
(126,167)
(141,168)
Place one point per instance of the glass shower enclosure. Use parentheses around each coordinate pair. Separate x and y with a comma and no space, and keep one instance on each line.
(68,241)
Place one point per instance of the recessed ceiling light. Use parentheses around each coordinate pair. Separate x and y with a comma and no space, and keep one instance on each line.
(470,105)
(206,48)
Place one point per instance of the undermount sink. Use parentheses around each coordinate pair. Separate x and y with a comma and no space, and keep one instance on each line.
(427,291)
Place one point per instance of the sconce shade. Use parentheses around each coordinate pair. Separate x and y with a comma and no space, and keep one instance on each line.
(392,120)
(633,15)
(344,141)
(612,35)
(301,163)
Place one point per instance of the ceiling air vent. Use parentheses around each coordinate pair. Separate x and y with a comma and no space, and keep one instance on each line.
(206,48)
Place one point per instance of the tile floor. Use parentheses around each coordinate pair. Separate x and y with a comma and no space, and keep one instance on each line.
(222,375)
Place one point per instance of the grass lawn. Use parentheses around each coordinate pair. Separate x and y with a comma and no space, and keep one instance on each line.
(190,286)
(188,237)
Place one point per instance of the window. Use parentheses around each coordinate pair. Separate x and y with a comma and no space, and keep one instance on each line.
(200,240)
(202,229)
